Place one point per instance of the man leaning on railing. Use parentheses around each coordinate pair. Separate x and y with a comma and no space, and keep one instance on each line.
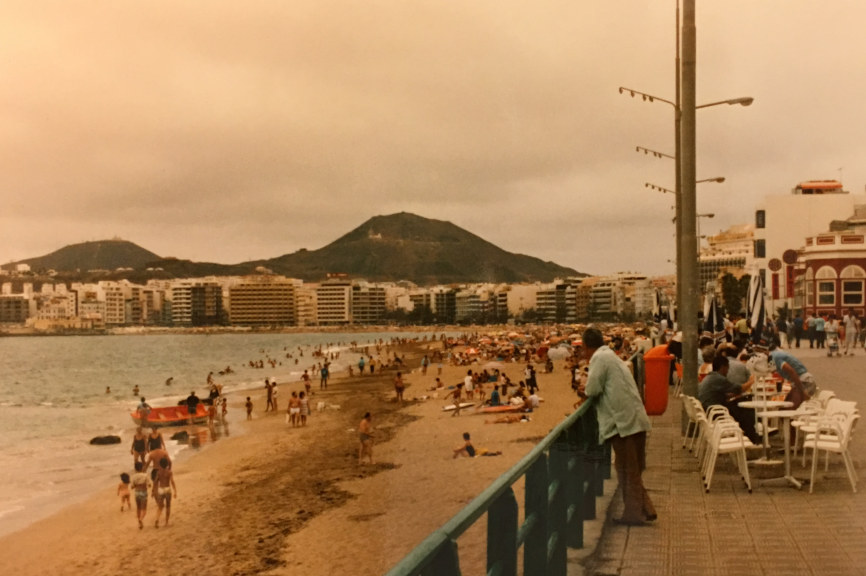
(623,421)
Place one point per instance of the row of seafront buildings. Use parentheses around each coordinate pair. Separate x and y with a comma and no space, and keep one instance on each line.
(809,246)
(268,300)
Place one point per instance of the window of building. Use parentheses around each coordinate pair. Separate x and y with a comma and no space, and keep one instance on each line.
(826,293)
(826,281)
(760,248)
(852,292)
(853,279)
(810,288)
(760,218)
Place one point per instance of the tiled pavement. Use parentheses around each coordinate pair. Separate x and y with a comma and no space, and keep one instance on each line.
(775,530)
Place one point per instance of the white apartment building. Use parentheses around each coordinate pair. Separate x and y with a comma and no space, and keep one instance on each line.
(334,302)
(262,300)
(782,223)
(728,252)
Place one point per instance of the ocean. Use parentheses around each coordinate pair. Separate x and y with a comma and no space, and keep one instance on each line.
(54,400)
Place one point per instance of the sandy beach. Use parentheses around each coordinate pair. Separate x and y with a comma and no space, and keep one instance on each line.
(283,500)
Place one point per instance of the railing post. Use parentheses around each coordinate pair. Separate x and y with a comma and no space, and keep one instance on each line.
(536,494)
(560,452)
(502,534)
(577,487)
(446,562)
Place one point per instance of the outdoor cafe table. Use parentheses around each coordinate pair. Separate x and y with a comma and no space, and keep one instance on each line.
(785,416)
(767,406)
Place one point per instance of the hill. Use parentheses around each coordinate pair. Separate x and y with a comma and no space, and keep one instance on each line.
(385,248)
(408,247)
(97,255)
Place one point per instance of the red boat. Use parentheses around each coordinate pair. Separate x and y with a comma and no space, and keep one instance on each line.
(171,416)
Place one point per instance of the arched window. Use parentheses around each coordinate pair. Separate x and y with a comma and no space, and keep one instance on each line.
(852,285)
(810,288)
(825,280)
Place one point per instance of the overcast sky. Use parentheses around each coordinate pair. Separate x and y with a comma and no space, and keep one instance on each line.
(226,131)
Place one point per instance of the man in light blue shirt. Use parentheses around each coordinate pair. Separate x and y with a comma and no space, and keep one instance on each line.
(622,420)
(791,369)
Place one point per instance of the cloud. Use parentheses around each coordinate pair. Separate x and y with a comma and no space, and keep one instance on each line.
(247,130)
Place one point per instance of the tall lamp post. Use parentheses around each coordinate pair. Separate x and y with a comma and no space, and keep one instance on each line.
(685,159)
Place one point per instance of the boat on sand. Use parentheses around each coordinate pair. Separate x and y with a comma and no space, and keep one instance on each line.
(171,416)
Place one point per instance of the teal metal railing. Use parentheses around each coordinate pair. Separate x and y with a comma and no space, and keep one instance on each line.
(564,476)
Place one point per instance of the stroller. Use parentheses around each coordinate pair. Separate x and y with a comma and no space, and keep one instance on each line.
(833,344)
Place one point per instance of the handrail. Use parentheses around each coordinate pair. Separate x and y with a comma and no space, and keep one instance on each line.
(559,494)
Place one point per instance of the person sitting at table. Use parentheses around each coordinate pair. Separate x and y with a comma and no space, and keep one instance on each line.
(717,389)
(738,372)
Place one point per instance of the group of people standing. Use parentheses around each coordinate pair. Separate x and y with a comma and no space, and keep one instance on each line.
(148,449)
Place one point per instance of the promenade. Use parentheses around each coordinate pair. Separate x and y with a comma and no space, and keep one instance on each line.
(775,530)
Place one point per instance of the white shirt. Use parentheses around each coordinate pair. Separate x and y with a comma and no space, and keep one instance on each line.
(467,383)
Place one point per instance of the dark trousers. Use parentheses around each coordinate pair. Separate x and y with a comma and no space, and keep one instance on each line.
(745,417)
(630,454)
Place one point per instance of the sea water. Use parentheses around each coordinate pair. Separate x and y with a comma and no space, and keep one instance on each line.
(54,399)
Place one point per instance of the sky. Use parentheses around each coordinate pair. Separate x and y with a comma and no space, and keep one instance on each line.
(227,131)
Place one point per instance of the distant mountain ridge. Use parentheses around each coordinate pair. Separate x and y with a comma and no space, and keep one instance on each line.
(395,247)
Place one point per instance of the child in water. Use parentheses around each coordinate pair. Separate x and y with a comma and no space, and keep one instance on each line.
(123,492)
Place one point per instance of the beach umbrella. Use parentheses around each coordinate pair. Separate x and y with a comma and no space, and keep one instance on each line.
(559,353)
(714,324)
(755,308)
(493,366)
(657,306)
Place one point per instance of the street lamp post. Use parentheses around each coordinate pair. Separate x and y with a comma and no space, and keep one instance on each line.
(688,273)
(685,158)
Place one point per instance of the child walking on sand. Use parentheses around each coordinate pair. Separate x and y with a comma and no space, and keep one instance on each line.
(140,482)
(123,492)
(249,406)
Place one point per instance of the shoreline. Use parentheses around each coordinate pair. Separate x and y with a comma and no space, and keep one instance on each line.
(159,330)
(278,500)
(195,477)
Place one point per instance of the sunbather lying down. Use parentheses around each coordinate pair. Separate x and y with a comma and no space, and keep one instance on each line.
(509,419)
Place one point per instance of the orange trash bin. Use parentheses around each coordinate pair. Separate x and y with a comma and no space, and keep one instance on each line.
(657,377)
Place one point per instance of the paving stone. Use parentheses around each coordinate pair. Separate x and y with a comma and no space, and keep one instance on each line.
(776,530)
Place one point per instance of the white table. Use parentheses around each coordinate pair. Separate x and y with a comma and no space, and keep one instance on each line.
(761,408)
(786,416)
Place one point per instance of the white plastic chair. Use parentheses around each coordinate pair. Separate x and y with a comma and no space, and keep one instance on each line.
(692,426)
(833,435)
(706,421)
(728,438)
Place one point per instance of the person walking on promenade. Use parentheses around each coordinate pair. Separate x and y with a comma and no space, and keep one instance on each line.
(798,329)
(852,330)
(820,331)
(623,421)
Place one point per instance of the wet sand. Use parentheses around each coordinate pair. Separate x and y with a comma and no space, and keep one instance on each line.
(283,500)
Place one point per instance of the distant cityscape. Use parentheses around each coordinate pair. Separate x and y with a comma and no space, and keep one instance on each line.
(809,246)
